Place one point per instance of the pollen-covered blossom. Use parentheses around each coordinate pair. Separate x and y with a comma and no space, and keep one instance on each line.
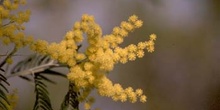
(11,24)
(88,70)
(138,23)
(142,45)
(153,37)
(131,56)
(40,46)
(143,98)
(88,66)
(133,18)
(139,92)
(140,53)
(88,103)
(9,61)
(87,106)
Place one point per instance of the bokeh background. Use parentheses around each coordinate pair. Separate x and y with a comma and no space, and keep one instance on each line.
(182,74)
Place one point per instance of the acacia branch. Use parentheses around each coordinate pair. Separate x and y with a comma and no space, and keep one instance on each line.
(36,69)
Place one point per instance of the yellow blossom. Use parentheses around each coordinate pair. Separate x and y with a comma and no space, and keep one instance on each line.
(13,99)
(40,46)
(88,66)
(133,18)
(140,53)
(150,43)
(85,17)
(87,106)
(119,40)
(116,57)
(76,26)
(123,33)
(71,62)
(88,69)
(11,24)
(118,89)
(124,60)
(131,56)
(138,23)
(70,43)
(123,97)
(69,35)
(116,30)
(153,37)
(91,79)
(141,45)
(143,99)
(6,40)
(9,60)
(132,48)
(7,3)
(139,92)
(80,56)
(132,97)
(150,49)
(78,37)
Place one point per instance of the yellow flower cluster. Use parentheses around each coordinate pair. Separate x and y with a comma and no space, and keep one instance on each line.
(88,103)
(12,98)
(11,24)
(88,70)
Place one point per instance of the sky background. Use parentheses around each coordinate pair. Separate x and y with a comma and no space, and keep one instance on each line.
(182,74)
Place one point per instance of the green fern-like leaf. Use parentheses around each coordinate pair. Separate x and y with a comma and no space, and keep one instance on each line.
(71,99)
(28,64)
(37,64)
(42,96)
(2,70)
(4,103)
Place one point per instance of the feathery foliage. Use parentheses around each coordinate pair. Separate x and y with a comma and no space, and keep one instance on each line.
(38,65)
(42,96)
(4,103)
(71,99)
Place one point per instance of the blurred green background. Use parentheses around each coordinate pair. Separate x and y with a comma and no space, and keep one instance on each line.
(183,72)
